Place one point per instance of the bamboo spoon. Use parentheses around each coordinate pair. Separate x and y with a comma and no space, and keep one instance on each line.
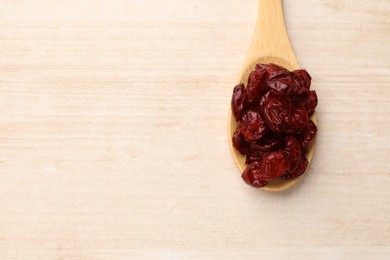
(270,44)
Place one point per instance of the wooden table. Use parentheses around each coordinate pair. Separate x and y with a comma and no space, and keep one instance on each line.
(113,129)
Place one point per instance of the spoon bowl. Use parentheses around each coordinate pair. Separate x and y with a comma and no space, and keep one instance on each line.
(270,44)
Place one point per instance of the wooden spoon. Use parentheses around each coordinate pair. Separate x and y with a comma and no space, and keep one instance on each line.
(270,44)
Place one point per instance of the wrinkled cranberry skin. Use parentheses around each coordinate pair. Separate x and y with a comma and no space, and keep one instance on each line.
(303,77)
(252,177)
(309,134)
(302,101)
(274,130)
(299,120)
(313,101)
(299,170)
(272,165)
(253,126)
(254,156)
(286,83)
(238,100)
(276,112)
(238,141)
(256,86)
(294,151)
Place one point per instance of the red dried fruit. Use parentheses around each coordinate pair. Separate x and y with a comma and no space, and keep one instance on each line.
(309,134)
(252,177)
(276,112)
(303,77)
(256,86)
(238,100)
(302,100)
(273,123)
(253,156)
(299,120)
(238,141)
(253,126)
(313,101)
(294,151)
(286,83)
(272,165)
(299,170)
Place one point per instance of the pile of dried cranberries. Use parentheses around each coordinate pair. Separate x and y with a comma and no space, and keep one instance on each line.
(274,128)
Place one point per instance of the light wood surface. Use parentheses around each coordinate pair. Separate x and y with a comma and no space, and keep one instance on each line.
(113,132)
(270,44)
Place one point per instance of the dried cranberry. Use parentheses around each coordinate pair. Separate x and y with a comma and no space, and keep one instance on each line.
(286,83)
(303,77)
(309,134)
(252,177)
(299,170)
(274,127)
(313,101)
(238,141)
(256,86)
(253,156)
(302,100)
(253,126)
(238,100)
(299,120)
(272,165)
(294,151)
(276,112)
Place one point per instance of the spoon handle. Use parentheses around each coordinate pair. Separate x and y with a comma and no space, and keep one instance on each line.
(270,37)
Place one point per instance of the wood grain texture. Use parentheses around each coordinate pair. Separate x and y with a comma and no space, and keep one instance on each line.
(113,137)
